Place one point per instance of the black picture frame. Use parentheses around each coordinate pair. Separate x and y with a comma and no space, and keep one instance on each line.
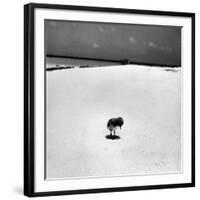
(29,98)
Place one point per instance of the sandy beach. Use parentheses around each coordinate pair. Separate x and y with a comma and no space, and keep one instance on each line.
(79,104)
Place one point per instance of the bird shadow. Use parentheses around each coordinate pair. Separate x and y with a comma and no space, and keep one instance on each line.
(112,137)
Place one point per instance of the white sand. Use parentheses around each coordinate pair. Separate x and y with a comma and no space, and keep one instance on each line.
(79,104)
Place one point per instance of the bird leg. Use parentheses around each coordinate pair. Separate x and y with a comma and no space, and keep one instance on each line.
(114,132)
(110,132)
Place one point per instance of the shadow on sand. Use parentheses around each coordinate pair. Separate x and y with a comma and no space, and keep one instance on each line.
(112,137)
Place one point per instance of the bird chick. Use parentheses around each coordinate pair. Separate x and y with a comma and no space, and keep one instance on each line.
(113,124)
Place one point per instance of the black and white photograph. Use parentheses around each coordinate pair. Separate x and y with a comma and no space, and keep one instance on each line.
(109,100)
(113,99)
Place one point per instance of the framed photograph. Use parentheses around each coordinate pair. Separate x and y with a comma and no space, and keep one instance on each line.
(108,99)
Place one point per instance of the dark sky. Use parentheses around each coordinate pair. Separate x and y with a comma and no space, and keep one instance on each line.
(138,43)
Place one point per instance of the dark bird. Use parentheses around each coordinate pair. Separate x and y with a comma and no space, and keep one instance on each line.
(113,124)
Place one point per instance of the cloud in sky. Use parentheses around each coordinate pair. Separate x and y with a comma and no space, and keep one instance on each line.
(132,39)
(166,49)
(152,44)
(101,29)
(95,45)
(160,47)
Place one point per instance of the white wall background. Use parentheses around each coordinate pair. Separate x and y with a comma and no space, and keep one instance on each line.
(11,101)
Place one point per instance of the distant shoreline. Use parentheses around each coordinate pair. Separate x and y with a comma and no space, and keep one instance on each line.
(81,67)
(121,62)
